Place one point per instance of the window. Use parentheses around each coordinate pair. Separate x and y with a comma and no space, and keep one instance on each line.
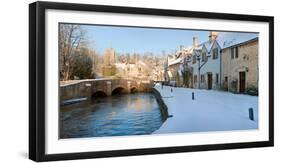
(215,53)
(194,59)
(202,78)
(217,78)
(226,79)
(204,57)
(234,53)
(195,78)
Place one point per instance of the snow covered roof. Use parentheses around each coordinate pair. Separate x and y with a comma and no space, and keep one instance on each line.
(225,40)
(179,60)
(234,42)
(184,51)
(229,39)
(188,50)
(234,38)
(208,45)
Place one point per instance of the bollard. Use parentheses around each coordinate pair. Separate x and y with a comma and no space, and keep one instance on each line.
(192,95)
(171,89)
(251,114)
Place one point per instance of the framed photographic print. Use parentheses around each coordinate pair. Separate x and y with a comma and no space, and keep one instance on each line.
(111,81)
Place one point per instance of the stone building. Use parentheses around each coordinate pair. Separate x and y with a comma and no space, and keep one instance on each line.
(240,67)
(109,68)
(109,57)
(174,69)
(134,71)
(229,63)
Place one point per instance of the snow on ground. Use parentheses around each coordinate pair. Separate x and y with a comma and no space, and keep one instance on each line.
(210,111)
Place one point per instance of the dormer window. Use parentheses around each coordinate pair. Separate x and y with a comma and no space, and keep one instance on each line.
(215,53)
(204,57)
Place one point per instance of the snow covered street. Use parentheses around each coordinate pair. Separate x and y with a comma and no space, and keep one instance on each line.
(210,110)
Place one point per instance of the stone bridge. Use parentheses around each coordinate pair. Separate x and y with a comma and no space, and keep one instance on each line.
(102,87)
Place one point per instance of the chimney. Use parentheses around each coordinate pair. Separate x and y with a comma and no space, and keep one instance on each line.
(195,42)
(213,35)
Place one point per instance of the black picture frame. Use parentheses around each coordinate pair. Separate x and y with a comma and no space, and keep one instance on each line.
(37,80)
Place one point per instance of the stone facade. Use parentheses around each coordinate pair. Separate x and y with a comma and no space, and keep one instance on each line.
(108,68)
(109,57)
(174,70)
(240,67)
(136,71)
(174,67)
(231,65)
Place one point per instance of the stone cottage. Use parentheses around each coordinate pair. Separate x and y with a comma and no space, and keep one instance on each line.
(240,67)
(175,69)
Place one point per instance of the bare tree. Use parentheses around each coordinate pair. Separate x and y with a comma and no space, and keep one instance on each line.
(70,38)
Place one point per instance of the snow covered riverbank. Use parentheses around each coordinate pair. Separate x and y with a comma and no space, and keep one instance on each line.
(210,111)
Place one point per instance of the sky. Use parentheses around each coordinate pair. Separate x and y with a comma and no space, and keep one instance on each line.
(142,40)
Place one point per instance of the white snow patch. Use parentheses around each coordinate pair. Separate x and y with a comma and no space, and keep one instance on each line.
(179,60)
(210,111)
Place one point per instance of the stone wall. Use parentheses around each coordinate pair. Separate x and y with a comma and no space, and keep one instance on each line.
(77,90)
(163,106)
(86,88)
(247,62)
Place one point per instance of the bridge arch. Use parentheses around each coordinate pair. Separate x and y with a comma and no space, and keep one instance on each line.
(134,89)
(119,90)
(99,93)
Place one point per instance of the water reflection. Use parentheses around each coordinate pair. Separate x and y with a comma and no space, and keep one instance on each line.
(131,114)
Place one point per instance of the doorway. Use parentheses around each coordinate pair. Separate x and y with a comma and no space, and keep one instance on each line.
(242,81)
(210,80)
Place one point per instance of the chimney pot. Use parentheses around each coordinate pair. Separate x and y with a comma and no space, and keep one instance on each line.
(195,42)
(213,35)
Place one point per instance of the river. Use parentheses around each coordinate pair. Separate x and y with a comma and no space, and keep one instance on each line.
(119,115)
